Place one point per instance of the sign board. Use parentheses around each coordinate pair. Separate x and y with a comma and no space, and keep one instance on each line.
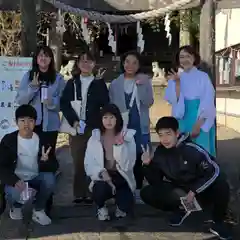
(12,70)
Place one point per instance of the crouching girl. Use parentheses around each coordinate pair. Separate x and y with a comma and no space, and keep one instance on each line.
(109,162)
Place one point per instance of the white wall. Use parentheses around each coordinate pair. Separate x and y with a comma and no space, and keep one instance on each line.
(227,28)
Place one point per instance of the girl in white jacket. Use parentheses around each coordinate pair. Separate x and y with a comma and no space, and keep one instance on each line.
(109,162)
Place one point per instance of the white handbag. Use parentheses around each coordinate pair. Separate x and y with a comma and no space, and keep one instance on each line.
(65,127)
(125,115)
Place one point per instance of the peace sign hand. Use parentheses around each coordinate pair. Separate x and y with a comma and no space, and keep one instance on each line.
(35,82)
(45,154)
(146,158)
(100,73)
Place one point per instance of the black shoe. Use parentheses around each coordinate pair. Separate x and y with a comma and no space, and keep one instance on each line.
(221,230)
(88,201)
(178,218)
(78,200)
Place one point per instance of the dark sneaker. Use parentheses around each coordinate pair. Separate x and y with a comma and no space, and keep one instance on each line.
(178,218)
(78,200)
(221,231)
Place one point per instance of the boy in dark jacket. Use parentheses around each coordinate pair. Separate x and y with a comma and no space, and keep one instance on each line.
(181,168)
(22,161)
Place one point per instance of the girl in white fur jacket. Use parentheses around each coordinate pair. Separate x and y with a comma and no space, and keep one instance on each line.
(109,162)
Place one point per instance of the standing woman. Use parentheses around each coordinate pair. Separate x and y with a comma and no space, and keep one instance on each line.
(93,94)
(42,87)
(132,93)
(192,95)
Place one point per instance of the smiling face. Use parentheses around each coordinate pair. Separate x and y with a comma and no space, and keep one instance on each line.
(186,60)
(43,60)
(109,121)
(26,126)
(86,65)
(168,138)
(131,65)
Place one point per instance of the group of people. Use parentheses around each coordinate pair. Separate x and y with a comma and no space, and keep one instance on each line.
(112,150)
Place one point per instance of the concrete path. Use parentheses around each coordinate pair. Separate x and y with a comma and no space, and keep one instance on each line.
(71,222)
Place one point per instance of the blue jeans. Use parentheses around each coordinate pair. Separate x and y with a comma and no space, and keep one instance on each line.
(44,183)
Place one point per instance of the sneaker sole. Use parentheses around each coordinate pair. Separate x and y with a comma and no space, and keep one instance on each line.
(217,235)
(37,221)
(105,220)
(180,223)
(13,218)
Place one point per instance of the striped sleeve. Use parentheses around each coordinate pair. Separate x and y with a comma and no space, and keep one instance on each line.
(207,169)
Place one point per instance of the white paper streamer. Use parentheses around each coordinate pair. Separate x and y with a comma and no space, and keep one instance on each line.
(60,28)
(111,41)
(167,23)
(140,42)
(85,33)
(238,55)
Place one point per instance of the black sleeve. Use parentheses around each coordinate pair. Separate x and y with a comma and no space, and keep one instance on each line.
(104,93)
(7,166)
(207,169)
(65,104)
(153,174)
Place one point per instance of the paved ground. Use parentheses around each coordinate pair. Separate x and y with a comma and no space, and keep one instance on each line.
(70,222)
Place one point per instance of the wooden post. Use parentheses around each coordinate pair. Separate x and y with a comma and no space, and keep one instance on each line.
(207,38)
(56,42)
(29,27)
(207,43)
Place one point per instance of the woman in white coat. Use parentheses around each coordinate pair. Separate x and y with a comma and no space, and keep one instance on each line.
(109,162)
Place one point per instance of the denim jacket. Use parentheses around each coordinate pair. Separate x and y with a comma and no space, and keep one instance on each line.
(48,115)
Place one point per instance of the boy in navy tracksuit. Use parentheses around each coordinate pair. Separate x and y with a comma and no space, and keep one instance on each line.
(180,167)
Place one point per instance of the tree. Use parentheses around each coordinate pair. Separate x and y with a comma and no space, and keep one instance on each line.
(188,21)
(10,32)
(28,26)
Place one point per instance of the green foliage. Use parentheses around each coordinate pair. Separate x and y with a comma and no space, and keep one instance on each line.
(190,20)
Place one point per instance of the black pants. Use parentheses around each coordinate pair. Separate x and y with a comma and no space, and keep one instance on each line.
(124,196)
(166,196)
(48,139)
(138,172)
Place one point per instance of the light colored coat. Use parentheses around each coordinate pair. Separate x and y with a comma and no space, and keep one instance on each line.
(31,95)
(144,96)
(124,154)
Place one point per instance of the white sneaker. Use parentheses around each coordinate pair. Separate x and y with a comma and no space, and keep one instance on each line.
(119,213)
(41,217)
(102,214)
(16,214)
(138,199)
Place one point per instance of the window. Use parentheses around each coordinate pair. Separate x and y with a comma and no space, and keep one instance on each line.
(224,64)
(228,66)
(237,70)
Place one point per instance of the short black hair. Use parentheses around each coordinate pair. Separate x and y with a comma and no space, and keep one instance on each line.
(134,53)
(26,110)
(189,49)
(113,110)
(167,123)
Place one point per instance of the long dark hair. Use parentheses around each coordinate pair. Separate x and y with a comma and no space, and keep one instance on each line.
(50,75)
(75,70)
(113,110)
(130,53)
